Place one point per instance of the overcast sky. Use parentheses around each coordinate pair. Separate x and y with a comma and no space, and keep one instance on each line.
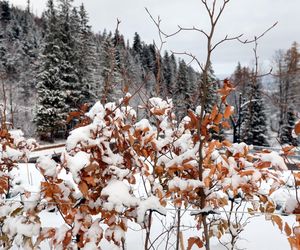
(248,17)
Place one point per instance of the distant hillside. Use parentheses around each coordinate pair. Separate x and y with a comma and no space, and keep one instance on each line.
(22,45)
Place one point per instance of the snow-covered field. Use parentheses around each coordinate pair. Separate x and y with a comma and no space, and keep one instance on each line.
(259,234)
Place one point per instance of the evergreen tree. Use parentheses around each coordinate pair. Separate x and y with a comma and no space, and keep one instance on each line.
(119,47)
(148,58)
(87,64)
(110,73)
(241,78)
(288,72)
(30,50)
(5,11)
(62,72)
(50,108)
(211,97)
(254,127)
(5,16)
(167,76)
(67,43)
(286,129)
(123,62)
(182,91)
(137,45)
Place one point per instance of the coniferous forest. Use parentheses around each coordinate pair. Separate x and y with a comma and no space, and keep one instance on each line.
(109,142)
(53,64)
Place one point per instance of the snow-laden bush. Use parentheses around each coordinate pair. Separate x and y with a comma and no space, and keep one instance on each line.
(19,222)
(124,169)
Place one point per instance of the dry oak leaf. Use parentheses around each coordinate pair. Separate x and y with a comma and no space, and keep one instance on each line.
(297,128)
(228,111)
(194,241)
(278,221)
(287,229)
(83,187)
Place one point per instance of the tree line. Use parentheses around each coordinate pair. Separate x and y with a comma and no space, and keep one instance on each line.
(51,66)
(57,64)
(270,108)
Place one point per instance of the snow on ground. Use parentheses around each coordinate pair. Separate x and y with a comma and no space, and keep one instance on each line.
(259,234)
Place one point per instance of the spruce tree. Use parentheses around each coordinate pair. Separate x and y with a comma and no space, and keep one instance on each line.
(148,58)
(67,43)
(286,129)
(51,97)
(167,76)
(5,17)
(288,72)
(241,78)
(86,55)
(137,45)
(5,12)
(182,91)
(211,97)
(254,127)
(110,74)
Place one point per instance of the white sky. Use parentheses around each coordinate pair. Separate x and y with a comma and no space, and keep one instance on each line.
(248,17)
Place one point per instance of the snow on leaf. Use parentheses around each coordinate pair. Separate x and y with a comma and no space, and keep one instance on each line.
(76,163)
(290,205)
(47,166)
(275,159)
(117,193)
(151,203)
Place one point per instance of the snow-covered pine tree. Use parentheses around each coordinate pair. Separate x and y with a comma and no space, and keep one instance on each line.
(19,49)
(68,25)
(148,58)
(4,19)
(292,64)
(158,88)
(286,129)
(124,61)
(86,57)
(5,11)
(51,97)
(254,127)
(288,65)
(111,88)
(12,56)
(241,78)
(120,55)
(30,39)
(211,97)
(137,47)
(182,91)
(168,77)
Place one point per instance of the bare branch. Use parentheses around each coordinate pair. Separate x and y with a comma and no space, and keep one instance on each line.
(157,24)
(258,37)
(194,58)
(226,39)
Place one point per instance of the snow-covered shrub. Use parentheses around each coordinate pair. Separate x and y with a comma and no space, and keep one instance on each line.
(105,158)
(123,169)
(177,164)
(19,222)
